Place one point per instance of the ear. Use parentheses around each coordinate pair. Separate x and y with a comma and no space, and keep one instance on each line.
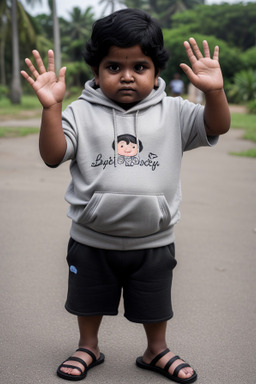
(95,71)
(156,78)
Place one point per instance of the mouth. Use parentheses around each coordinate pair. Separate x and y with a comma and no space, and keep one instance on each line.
(127,90)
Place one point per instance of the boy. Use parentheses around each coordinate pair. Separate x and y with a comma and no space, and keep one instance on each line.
(123,214)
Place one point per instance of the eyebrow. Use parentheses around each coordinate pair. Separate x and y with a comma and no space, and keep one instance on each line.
(142,61)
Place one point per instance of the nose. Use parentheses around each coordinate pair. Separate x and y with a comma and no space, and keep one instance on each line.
(127,76)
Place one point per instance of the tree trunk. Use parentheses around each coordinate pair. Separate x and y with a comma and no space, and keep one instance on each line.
(16,81)
(56,37)
(2,50)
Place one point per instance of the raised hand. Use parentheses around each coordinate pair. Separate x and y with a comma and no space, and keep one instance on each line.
(47,87)
(206,72)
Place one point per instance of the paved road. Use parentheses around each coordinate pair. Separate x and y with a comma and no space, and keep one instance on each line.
(214,283)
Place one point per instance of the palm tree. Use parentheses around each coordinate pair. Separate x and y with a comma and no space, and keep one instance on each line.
(16,81)
(3,31)
(15,94)
(112,4)
(77,32)
(56,34)
(163,9)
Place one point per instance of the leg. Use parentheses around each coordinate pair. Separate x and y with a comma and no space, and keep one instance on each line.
(88,327)
(156,337)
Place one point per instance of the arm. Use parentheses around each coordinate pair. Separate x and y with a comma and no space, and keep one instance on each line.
(50,92)
(206,75)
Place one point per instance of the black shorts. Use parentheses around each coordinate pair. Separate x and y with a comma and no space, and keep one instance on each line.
(97,278)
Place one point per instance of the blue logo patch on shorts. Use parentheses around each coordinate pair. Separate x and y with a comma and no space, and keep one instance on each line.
(73,269)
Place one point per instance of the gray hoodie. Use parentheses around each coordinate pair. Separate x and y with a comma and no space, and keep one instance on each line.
(122,200)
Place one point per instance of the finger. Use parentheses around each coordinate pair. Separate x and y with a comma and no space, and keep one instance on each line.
(51,65)
(27,77)
(39,61)
(206,49)
(195,47)
(62,74)
(216,53)
(190,53)
(31,68)
(188,71)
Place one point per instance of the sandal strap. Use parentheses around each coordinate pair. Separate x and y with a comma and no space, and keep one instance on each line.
(181,366)
(159,356)
(71,366)
(170,362)
(81,361)
(88,352)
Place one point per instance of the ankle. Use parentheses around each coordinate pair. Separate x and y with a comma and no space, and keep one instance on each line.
(154,350)
(93,347)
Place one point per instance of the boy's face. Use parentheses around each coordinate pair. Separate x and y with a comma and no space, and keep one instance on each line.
(127,149)
(126,75)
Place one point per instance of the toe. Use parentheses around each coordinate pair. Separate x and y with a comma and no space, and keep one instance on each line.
(185,373)
(70,371)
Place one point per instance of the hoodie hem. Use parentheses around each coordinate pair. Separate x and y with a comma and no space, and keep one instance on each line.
(95,239)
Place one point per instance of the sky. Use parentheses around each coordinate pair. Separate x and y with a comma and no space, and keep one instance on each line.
(65,6)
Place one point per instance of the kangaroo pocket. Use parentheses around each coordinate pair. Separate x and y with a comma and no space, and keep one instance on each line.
(126,215)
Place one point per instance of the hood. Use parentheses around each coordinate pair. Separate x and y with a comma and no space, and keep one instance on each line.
(96,96)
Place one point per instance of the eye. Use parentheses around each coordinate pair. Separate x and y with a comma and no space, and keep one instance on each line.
(139,67)
(114,67)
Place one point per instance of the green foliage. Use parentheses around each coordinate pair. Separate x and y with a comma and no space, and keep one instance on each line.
(244,87)
(248,58)
(248,123)
(233,23)
(243,121)
(174,42)
(77,74)
(162,10)
(17,131)
(3,91)
(28,103)
(252,106)
(231,26)
(249,153)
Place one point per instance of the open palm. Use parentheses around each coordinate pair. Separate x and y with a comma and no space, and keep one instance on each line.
(205,73)
(47,87)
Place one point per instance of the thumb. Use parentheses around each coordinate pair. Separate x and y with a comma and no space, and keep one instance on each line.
(188,71)
(62,74)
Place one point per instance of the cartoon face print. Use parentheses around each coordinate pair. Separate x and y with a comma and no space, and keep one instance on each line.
(127,145)
(127,149)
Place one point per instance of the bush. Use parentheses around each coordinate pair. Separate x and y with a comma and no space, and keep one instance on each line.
(249,58)
(3,91)
(244,87)
(252,106)
(230,59)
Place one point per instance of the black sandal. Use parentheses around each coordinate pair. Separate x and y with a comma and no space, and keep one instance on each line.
(94,362)
(164,371)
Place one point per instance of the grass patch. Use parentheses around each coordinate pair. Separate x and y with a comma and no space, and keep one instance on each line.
(247,122)
(244,121)
(28,102)
(249,153)
(29,107)
(17,131)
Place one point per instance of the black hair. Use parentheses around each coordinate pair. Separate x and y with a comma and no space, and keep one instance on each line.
(126,28)
(128,139)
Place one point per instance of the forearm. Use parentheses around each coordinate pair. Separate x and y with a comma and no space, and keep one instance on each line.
(52,142)
(216,113)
